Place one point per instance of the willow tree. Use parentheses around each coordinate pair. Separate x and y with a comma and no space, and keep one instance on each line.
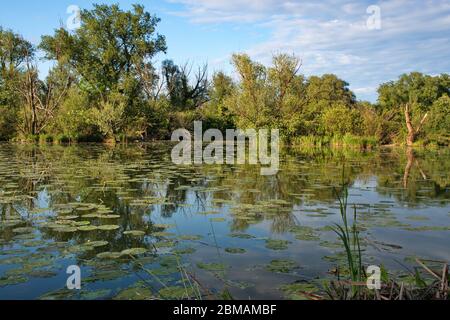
(15,52)
(111,54)
(268,97)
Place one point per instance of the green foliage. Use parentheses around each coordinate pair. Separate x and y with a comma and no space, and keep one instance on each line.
(8,122)
(14,51)
(105,86)
(110,116)
(438,124)
(349,236)
(111,56)
(339,120)
(420,92)
(216,114)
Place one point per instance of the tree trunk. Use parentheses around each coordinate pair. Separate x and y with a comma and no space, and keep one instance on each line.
(412,133)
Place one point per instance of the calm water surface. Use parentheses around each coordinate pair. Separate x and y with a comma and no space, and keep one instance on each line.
(223,227)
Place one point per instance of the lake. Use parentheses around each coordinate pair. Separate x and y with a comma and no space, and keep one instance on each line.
(140,227)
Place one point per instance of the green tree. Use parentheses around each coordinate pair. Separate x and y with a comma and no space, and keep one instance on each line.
(251,101)
(438,125)
(14,52)
(111,54)
(268,97)
(323,93)
(409,100)
(216,114)
(339,120)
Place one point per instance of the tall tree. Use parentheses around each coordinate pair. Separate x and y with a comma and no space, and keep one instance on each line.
(111,54)
(411,98)
(15,51)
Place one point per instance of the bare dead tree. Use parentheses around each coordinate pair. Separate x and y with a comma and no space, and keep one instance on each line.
(198,90)
(186,91)
(412,132)
(42,99)
(152,82)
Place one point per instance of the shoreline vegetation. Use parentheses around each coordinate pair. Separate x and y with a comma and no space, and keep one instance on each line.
(106,86)
(352,278)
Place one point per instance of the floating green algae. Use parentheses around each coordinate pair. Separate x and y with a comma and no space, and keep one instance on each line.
(212,266)
(176,293)
(281,266)
(134,233)
(274,244)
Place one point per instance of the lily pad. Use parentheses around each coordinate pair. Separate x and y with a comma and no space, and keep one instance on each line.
(109,227)
(134,294)
(96,244)
(12,280)
(176,293)
(23,230)
(281,266)
(110,216)
(133,252)
(274,244)
(134,233)
(87,228)
(109,255)
(212,266)
(235,250)
(97,294)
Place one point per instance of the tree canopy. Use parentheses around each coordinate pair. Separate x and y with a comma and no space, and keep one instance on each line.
(105,85)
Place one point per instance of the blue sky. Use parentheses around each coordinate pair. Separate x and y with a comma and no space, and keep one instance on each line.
(331,36)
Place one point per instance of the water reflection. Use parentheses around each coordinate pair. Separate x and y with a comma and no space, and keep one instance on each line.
(63,205)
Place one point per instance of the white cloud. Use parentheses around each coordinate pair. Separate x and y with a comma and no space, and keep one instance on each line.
(332,36)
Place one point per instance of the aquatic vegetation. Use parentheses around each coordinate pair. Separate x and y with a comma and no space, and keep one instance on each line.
(123,218)
(134,293)
(94,295)
(183,251)
(109,255)
(165,244)
(96,244)
(109,227)
(235,250)
(12,280)
(351,241)
(212,266)
(300,290)
(176,293)
(163,234)
(282,266)
(274,244)
(87,228)
(61,294)
(305,233)
(133,252)
(134,233)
